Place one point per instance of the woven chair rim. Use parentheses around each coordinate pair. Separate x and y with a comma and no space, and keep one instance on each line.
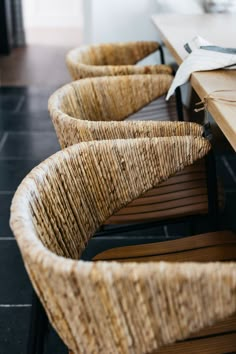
(56,98)
(19,217)
(69,55)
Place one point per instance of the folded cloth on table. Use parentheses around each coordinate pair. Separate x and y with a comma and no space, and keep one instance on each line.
(203,56)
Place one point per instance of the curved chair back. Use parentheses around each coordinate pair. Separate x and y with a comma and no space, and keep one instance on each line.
(113,59)
(111,307)
(96,109)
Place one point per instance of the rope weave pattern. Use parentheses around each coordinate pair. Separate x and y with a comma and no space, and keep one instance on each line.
(95,109)
(110,307)
(113,59)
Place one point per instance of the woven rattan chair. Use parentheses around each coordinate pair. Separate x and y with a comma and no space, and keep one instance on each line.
(96,109)
(116,307)
(119,59)
(113,59)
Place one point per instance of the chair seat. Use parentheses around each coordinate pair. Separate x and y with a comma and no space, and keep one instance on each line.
(158,110)
(218,343)
(209,247)
(182,195)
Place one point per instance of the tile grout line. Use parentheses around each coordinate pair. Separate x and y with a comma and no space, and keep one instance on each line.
(32,132)
(7,238)
(14,305)
(3,140)
(229,168)
(28,158)
(6,192)
(38,159)
(19,104)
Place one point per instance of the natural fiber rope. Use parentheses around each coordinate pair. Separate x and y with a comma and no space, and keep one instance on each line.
(212,97)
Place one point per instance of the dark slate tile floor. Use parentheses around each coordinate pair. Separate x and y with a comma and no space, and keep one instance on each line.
(29,145)
(14,172)
(17,288)
(5,202)
(14,322)
(26,138)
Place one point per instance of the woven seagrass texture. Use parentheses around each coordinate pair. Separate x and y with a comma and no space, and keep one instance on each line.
(110,307)
(113,59)
(95,109)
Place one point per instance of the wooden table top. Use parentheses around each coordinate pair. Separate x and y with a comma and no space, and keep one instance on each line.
(220,29)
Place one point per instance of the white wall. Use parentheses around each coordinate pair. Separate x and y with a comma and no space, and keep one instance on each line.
(123,20)
(180,6)
(119,20)
(53,22)
(53,13)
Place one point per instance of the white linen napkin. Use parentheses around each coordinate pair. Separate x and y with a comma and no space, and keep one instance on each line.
(203,57)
